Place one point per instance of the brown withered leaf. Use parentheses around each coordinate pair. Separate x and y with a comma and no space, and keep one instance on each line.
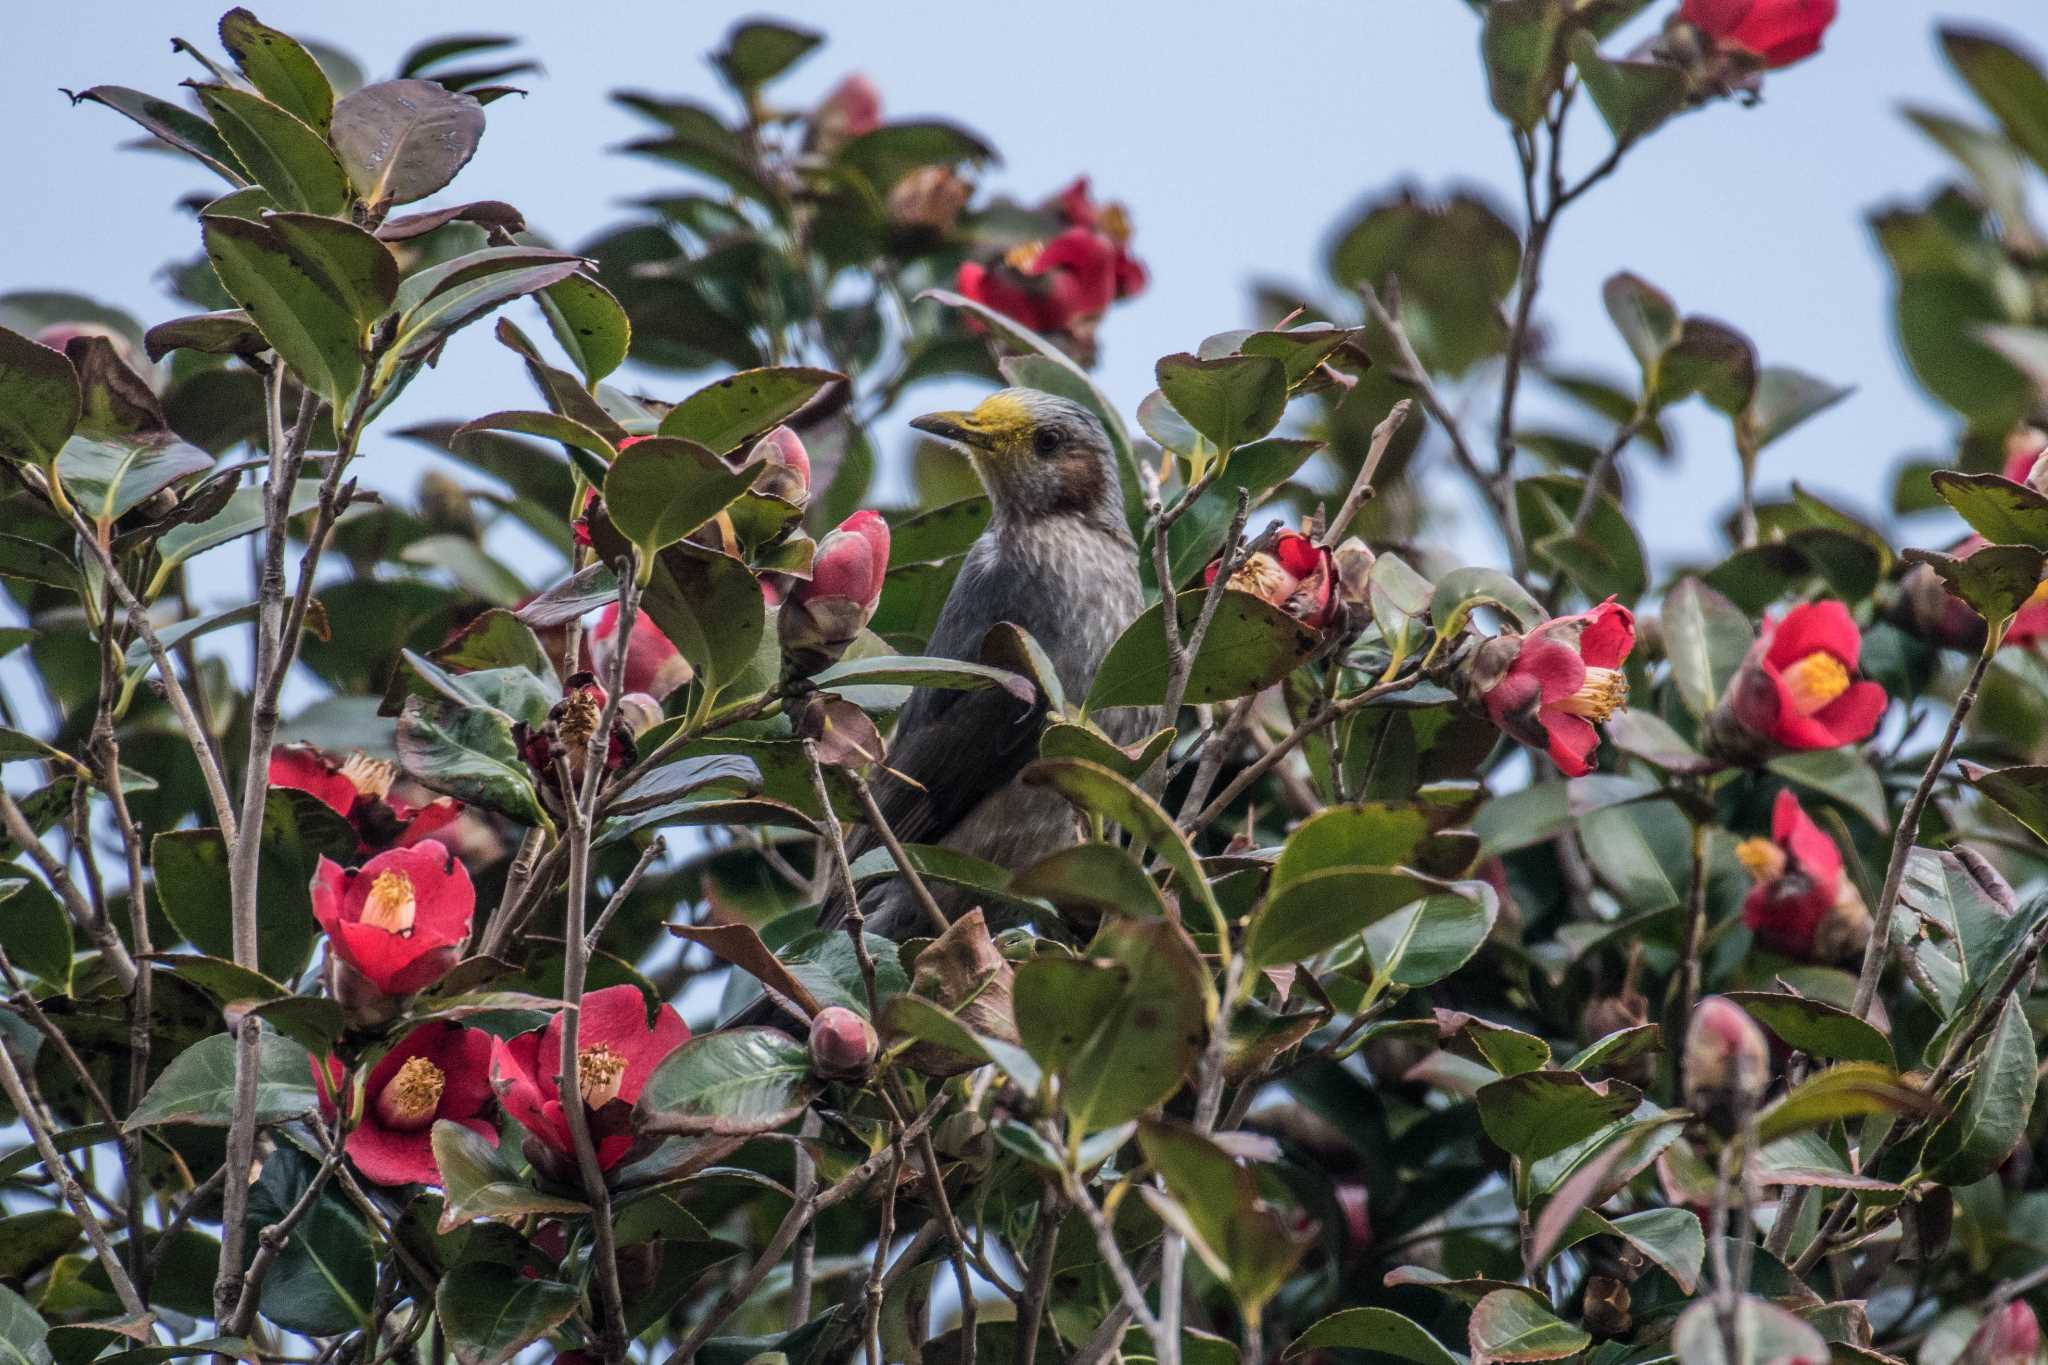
(963,971)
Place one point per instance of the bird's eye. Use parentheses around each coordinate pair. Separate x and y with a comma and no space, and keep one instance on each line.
(1045,441)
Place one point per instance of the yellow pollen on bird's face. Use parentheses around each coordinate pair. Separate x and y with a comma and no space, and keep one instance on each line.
(1024,257)
(1604,692)
(411,1097)
(1814,681)
(371,776)
(390,906)
(599,1073)
(1763,860)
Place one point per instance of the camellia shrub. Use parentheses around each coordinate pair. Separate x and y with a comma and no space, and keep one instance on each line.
(631,897)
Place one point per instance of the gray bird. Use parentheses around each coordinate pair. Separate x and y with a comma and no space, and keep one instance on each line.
(1057,560)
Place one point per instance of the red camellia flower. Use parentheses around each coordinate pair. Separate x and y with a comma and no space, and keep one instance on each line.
(1798,687)
(1802,905)
(397,921)
(1078,209)
(1777,32)
(1060,286)
(1296,575)
(652,664)
(826,613)
(438,1071)
(359,790)
(1550,688)
(617,1050)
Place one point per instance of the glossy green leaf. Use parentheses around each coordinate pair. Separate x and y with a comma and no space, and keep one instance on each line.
(198,1087)
(662,489)
(307,321)
(1059,1003)
(1990,1118)
(589,324)
(1316,911)
(478,1182)
(759,50)
(1850,1090)
(1250,645)
(1143,1045)
(1522,43)
(1515,1324)
(106,478)
(1765,1334)
(1540,1112)
(2003,512)
(282,71)
(1379,1331)
(1092,878)
(467,752)
(406,139)
(1230,400)
(324,1281)
(491,1310)
(1842,774)
(733,1082)
(2009,84)
(1634,97)
(35,931)
(1099,791)
(39,400)
(1462,591)
(285,155)
(173,125)
(1817,1028)
(1250,1244)
(723,415)
(1705,637)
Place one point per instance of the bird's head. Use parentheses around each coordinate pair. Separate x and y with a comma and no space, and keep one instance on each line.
(1039,455)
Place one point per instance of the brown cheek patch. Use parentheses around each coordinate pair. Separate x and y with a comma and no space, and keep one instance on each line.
(1081,483)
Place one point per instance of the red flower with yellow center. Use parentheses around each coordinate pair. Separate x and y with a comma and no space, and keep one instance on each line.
(617,1050)
(1550,688)
(437,1071)
(399,920)
(1798,688)
(1802,905)
(358,789)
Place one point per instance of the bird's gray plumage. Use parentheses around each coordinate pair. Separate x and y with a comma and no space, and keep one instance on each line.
(1057,560)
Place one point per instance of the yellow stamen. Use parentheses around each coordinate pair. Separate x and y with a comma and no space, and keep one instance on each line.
(1604,692)
(1264,578)
(1764,860)
(411,1097)
(371,776)
(2039,598)
(391,905)
(1115,223)
(1814,681)
(599,1073)
(1023,258)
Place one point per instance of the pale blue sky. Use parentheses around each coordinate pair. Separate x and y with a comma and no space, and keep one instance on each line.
(1237,133)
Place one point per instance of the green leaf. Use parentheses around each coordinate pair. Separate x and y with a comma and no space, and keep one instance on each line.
(39,400)
(1515,1324)
(722,416)
(1765,1334)
(759,50)
(354,266)
(890,152)
(917,670)
(1994,582)
(938,533)
(1991,1117)
(1373,833)
(1251,1245)
(1378,1331)
(324,1281)
(1522,43)
(1091,878)
(1705,637)
(662,489)
(442,299)
(30,1241)
(734,1082)
(1641,850)
(467,752)
(1425,942)
(2003,512)
(1115,798)
(1231,400)
(1646,318)
(24,1335)
(1251,644)
(1060,1001)
(403,140)
(2009,84)
(1672,1238)
(1634,97)
(1313,913)
(35,931)
(282,71)
(1713,360)
(1817,1028)
(491,1311)
(198,1087)
(192,881)
(303,316)
(172,124)
(709,606)
(1605,558)
(1850,1090)
(286,156)
(1462,591)
(589,324)
(109,477)
(477,1182)
(1842,774)
(2022,792)
(1540,1112)
(1144,1044)
(1785,398)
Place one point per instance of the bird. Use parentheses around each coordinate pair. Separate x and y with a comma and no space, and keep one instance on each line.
(1058,560)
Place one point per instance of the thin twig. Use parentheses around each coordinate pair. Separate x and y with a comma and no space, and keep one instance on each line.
(1361,486)
(109,943)
(1316,720)
(880,824)
(648,857)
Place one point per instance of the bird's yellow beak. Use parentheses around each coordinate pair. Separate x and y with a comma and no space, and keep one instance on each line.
(957,427)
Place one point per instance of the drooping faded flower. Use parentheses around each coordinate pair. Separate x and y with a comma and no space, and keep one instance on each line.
(1296,575)
(1549,689)
(1802,905)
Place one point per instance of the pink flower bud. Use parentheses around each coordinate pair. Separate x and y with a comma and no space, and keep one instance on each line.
(825,615)
(1727,1064)
(842,1043)
(851,108)
(653,665)
(639,713)
(2007,1336)
(788,474)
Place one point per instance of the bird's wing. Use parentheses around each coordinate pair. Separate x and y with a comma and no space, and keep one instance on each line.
(956,747)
